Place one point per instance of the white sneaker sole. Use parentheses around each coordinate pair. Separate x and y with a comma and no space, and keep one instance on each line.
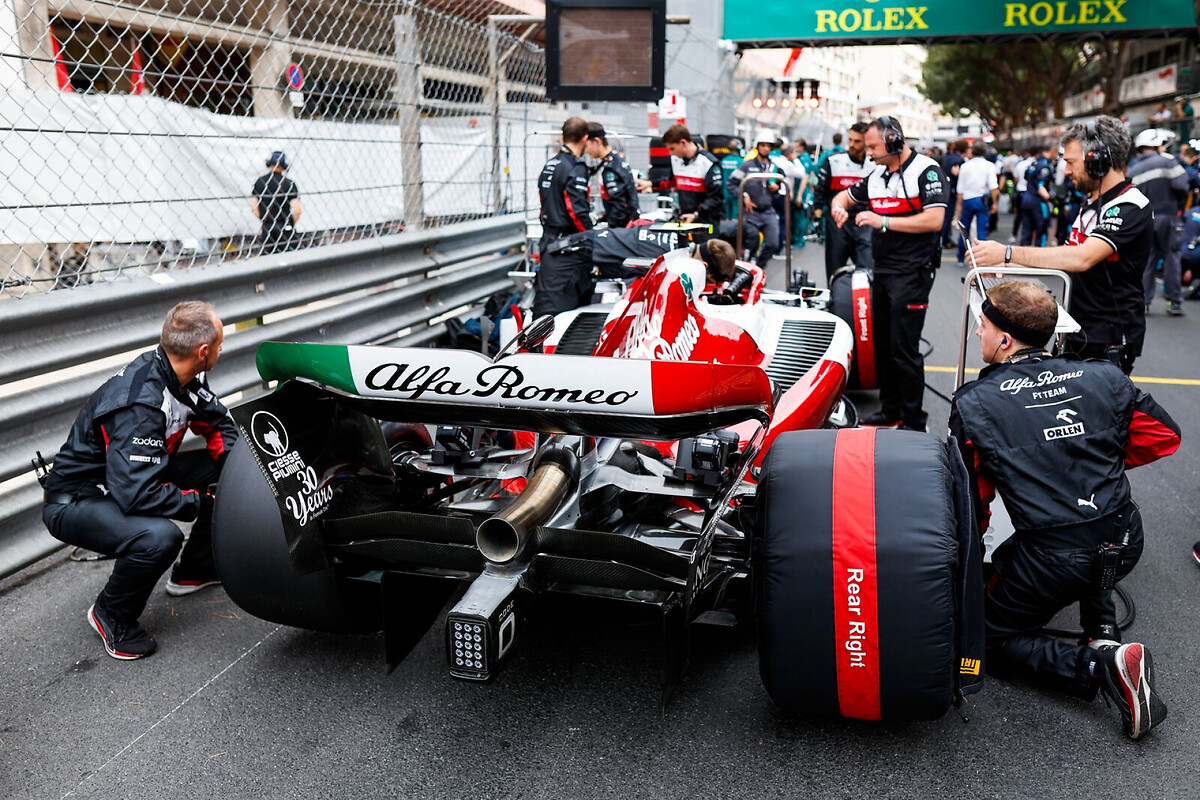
(181,589)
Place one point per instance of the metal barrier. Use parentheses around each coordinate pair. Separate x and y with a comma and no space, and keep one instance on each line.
(385,289)
(134,133)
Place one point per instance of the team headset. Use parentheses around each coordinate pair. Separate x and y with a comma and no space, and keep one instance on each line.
(1097,159)
(893,135)
(893,143)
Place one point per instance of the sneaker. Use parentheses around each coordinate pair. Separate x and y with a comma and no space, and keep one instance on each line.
(178,586)
(1175,309)
(960,264)
(1128,681)
(879,419)
(122,641)
(1196,553)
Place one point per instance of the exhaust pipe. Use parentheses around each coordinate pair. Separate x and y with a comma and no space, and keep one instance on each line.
(500,538)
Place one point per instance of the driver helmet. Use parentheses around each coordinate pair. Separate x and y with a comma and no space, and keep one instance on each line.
(690,271)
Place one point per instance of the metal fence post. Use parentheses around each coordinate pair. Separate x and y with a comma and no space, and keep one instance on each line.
(495,89)
(408,100)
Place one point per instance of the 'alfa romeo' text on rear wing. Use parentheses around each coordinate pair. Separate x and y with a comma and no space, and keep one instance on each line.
(581,395)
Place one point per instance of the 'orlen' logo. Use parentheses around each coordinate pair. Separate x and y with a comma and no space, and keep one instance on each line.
(269,433)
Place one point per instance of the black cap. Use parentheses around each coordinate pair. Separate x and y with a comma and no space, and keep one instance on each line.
(277,158)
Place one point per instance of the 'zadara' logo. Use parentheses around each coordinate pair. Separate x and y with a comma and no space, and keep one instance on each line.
(269,433)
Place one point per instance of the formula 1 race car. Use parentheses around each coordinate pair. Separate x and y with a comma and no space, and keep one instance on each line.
(614,455)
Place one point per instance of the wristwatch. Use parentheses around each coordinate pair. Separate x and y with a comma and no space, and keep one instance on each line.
(1007,253)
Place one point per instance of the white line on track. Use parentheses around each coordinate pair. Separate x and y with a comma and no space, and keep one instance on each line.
(164,718)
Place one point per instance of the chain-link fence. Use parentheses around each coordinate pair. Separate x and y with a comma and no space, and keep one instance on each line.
(134,134)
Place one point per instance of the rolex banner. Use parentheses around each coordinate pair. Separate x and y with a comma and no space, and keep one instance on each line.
(780,22)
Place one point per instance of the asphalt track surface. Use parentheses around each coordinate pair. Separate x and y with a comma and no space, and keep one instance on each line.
(234,707)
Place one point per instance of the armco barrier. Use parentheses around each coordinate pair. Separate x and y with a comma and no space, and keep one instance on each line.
(379,290)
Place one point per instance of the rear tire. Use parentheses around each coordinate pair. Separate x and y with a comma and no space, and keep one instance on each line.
(252,558)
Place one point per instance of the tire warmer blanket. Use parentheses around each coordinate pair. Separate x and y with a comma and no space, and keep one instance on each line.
(855,574)
(864,333)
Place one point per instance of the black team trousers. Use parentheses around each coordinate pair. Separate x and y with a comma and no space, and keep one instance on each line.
(144,547)
(898,303)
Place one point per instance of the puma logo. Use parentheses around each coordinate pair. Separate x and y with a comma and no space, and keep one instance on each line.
(1081,502)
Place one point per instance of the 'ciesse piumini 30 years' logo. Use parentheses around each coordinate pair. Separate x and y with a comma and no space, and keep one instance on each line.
(498,381)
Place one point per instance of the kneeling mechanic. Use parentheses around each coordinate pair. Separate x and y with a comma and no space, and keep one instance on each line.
(1055,436)
(120,479)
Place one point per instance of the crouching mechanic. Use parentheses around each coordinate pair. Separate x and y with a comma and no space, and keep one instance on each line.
(1055,436)
(119,480)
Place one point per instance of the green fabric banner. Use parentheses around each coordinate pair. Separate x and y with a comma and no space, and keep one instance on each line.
(786,21)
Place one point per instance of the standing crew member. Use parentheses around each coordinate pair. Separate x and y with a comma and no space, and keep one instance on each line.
(1072,200)
(757,198)
(563,282)
(1164,181)
(120,479)
(695,177)
(729,162)
(1035,203)
(951,165)
(1060,469)
(275,201)
(617,189)
(978,192)
(838,172)
(783,157)
(1110,242)
(907,197)
(1020,170)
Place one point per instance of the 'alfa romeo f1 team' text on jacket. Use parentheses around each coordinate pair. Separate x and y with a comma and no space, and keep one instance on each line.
(1063,431)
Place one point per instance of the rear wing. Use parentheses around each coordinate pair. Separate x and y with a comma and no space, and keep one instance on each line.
(582,395)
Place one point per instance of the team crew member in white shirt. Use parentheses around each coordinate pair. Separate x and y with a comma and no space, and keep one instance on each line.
(977,185)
